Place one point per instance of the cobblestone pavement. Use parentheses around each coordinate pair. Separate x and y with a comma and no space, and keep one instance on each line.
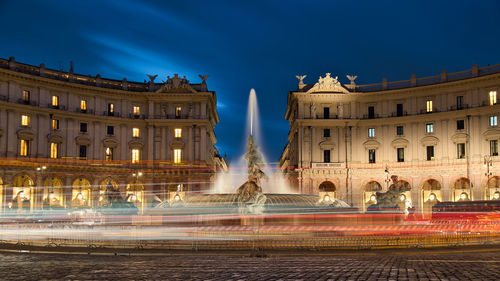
(369,266)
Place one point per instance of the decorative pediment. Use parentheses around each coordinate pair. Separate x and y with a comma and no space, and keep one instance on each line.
(177,144)
(55,137)
(176,85)
(491,134)
(400,143)
(328,84)
(82,140)
(135,144)
(459,138)
(429,141)
(110,142)
(327,145)
(26,134)
(371,144)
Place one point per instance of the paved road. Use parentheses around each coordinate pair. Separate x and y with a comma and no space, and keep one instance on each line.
(385,266)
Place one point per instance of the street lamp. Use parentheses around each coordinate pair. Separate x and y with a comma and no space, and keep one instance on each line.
(488,163)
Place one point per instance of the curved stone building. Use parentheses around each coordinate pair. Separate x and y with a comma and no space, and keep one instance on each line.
(438,134)
(65,136)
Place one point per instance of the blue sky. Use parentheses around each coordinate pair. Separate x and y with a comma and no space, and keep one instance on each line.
(254,44)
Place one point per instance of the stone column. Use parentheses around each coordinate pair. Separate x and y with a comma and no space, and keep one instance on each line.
(10,134)
(150,142)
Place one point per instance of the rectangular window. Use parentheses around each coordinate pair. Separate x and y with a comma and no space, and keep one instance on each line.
(55,124)
(24,148)
(401,154)
(371,112)
(460,124)
(54,150)
(371,132)
(55,101)
(429,106)
(371,155)
(109,153)
(326,113)
(494,147)
(429,128)
(83,127)
(135,132)
(83,106)
(400,130)
(83,152)
(460,102)
(178,112)
(399,109)
(110,130)
(178,132)
(136,155)
(177,155)
(26,97)
(493,121)
(25,120)
(460,150)
(326,133)
(111,109)
(493,97)
(326,156)
(137,111)
(430,153)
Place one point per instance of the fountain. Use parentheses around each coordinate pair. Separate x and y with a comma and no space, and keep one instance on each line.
(262,192)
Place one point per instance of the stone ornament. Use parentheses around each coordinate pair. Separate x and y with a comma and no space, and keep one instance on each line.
(328,84)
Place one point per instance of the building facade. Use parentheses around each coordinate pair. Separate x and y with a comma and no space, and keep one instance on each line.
(438,134)
(65,136)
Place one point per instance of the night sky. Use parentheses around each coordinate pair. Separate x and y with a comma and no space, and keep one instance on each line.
(260,45)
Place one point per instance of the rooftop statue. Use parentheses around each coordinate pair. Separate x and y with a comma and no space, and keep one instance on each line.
(328,84)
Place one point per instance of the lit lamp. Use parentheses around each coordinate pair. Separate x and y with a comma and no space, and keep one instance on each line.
(373,198)
(463,196)
(133,198)
(326,198)
(177,197)
(52,196)
(79,196)
(496,195)
(21,195)
(432,197)
(402,197)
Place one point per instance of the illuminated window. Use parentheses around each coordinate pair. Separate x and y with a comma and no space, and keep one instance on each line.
(109,153)
(429,128)
(178,132)
(25,120)
(26,96)
(55,101)
(429,106)
(371,155)
(136,155)
(24,148)
(401,154)
(493,121)
(178,112)
(111,109)
(53,150)
(135,132)
(137,110)
(493,97)
(55,124)
(177,155)
(83,106)
(460,150)
(371,132)
(494,147)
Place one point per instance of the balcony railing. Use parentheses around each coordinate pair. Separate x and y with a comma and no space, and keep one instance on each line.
(27,102)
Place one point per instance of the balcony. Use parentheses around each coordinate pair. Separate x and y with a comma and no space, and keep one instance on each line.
(26,102)
(329,165)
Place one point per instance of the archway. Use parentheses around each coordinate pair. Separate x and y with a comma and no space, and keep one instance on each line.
(371,188)
(431,194)
(22,189)
(461,190)
(81,191)
(52,193)
(327,191)
(493,188)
